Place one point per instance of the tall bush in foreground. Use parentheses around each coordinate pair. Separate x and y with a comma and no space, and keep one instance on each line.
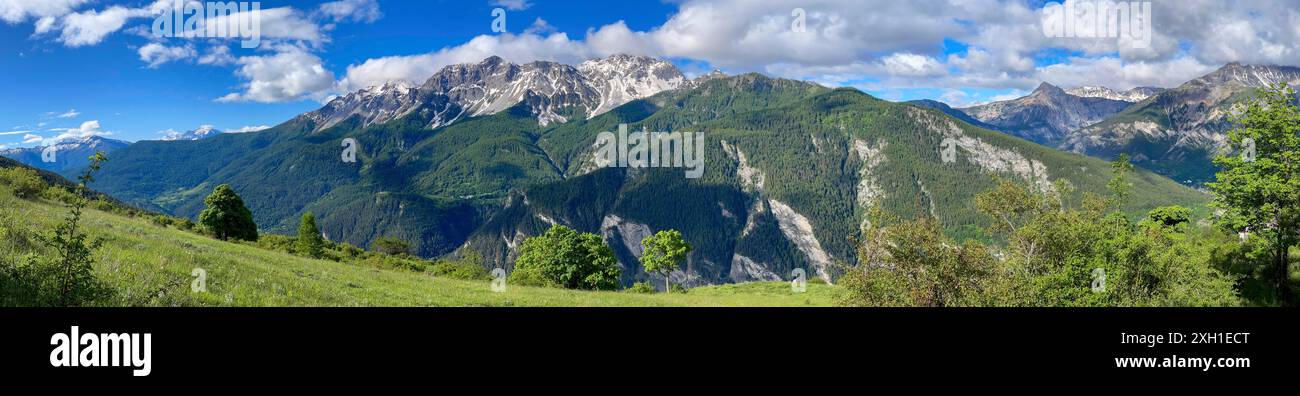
(70,272)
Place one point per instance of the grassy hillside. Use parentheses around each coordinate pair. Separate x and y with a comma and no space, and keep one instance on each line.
(151,265)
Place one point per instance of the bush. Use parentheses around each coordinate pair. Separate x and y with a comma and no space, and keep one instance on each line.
(677,288)
(391,246)
(26,183)
(274,242)
(59,194)
(640,288)
(530,277)
(459,270)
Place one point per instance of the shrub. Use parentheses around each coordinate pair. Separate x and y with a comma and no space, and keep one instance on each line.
(530,277)
(459,270)
(278,243)
(391,246)
(641,288)
(26,183)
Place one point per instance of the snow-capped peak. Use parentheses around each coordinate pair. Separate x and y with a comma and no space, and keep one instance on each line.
(1133,95)
(202,132)
(553,91)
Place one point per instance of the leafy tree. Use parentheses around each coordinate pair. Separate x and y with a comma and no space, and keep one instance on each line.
(569,259)
(391,246)
(310,242)
(663,253)
(1170,216)
(1260,189)
(226,217)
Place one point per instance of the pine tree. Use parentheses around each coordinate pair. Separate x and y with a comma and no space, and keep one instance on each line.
(310,242)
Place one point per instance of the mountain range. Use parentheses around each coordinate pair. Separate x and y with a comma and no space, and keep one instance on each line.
(481,156)
(1178,131)
(69,156)
(1047,115)
(1175,132)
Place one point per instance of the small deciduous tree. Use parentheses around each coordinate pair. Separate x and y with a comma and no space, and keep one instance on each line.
(664,252)
(226,217)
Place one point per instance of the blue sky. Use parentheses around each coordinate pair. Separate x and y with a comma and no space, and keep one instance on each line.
(73,67)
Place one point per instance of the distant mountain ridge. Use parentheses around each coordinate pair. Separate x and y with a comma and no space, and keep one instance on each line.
(554,92)
(70,156)
(1046,115)
(202,132)
(1133,95)
(949,110)
(1178,131)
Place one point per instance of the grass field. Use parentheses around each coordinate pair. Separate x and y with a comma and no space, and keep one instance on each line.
(151,265)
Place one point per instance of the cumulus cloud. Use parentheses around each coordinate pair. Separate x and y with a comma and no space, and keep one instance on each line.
(87,129)
(913,65)
(248,129)
(217,55)
(155,54)
(90,27)
(290,74)
(16,11)
(30,138)
(1117,74)
(520,48)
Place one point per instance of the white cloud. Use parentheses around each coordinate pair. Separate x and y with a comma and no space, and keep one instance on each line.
(16,11)
(156,54)
(87,129)
(515,48)
(283,23)
(352,10)
(913,65)
(217,55)
(30,138)
(68,114)
(513,5)
(290,74)
(1116,74)
(90,27)
(248,129)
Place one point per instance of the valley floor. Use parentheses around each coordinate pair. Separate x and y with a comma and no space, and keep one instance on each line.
(150,265)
